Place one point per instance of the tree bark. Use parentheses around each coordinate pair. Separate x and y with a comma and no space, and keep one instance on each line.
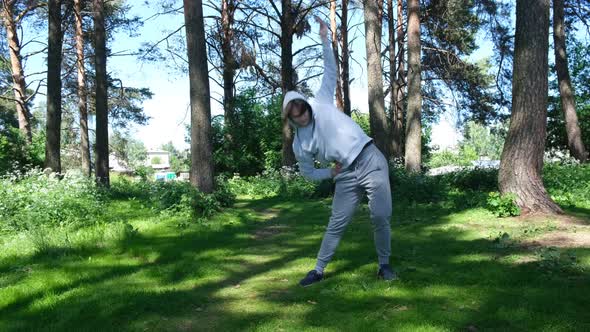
(101,108)
(378,119)
(566,91)
(53,126)
(522,157)
(201,151)
(287,77)
(346,106)
(18,77)
(82,95)
(413,153)
(400,82)
(334,27)
(396,125)
(229,62)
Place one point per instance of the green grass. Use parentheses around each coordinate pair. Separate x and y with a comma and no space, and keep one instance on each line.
(239,271)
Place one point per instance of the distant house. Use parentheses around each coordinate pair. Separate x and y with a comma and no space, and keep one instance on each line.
(158,160)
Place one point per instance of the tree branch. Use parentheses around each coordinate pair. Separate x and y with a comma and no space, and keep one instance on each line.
(22,14)
(162,40)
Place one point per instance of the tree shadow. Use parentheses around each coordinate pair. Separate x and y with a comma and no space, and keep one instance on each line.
(229,275)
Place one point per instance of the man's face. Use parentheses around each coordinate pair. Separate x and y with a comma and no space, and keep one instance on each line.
(299,115)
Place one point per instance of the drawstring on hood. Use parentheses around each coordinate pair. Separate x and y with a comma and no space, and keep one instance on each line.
(289,96)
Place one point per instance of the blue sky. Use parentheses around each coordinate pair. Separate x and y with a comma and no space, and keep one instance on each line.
(169,107)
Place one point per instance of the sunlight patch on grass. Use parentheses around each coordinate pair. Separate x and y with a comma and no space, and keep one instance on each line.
(236,272)
(465,258)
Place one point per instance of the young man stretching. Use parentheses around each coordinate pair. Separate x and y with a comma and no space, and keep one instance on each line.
(324,133)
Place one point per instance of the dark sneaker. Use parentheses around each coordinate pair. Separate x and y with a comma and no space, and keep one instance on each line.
(312,277)
(386,273)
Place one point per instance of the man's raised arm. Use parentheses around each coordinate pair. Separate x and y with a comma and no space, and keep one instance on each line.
(326,92)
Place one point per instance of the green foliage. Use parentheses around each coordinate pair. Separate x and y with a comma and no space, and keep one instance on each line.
(503,205)
(476,179)
(447,158)
(272,183)
(450,28)
(272,159)
(463,188)
(250,141)
(483,141)
(15,153)
(144,172)
(179,160)
(126,104)
(34,199)
(568,184)
(156,160)
(415,187)
(58,242)
(363,121)
(176,198)
(129,151)
(479,141)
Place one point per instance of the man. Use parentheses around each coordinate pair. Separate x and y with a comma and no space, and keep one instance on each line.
(324,133)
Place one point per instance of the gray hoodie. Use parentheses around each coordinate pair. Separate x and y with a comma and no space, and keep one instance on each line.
(330,135)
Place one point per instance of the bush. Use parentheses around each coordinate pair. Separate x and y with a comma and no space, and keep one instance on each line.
(249,143)
(16,155)
(465,188)
(34,199)
(568,183)
(447,158)
(174,198)
(477,179)
(503,205)
(416,187)
(287,184)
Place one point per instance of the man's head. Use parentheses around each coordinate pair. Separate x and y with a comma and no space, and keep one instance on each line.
(299,111)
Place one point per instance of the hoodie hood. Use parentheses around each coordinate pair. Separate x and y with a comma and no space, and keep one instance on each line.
(292,95)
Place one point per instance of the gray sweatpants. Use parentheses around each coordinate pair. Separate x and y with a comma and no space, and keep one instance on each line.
(368,173)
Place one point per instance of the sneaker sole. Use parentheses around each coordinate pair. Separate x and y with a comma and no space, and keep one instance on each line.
(313,283)
(381,277)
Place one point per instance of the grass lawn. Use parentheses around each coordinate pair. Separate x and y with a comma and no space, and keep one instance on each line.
(459,270)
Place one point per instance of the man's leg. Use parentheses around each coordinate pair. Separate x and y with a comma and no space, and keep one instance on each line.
(375,180)
(344,204)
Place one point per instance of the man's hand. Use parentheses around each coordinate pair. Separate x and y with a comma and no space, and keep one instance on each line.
(323,28)
(336,170)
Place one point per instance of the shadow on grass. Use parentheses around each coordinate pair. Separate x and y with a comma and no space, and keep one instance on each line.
(231,275)
(579,212)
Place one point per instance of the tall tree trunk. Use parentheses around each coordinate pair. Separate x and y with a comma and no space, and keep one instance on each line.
(82,95)
(102,111)
(378,119)
(522,157)
(400,82)
(346,107)
(566,91)
(18,77)
(396,125)
(54,47)
(334,27)
(287,75)
(229,62)
(414,113)
(201,151)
